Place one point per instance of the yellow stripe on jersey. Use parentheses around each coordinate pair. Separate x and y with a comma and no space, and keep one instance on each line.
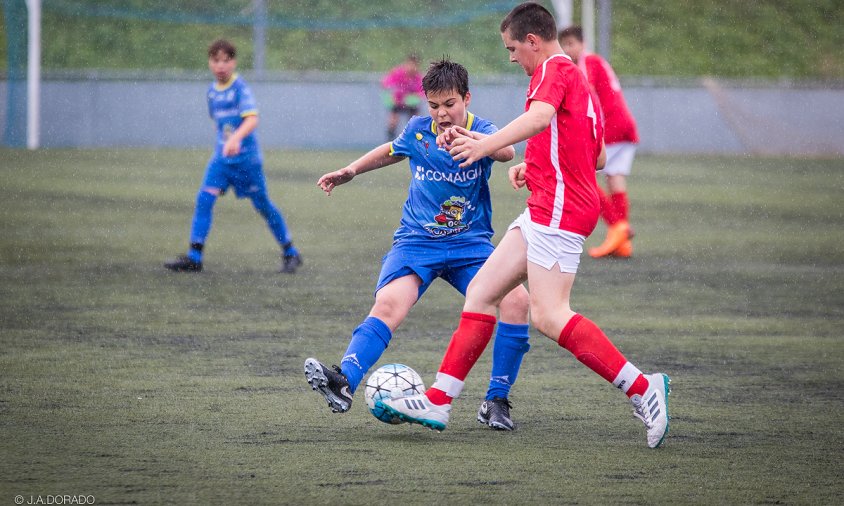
(250,112)
(227,84)
(392,149)
(434,127)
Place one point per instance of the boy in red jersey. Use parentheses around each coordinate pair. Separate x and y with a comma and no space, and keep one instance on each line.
(620,136)
(544,244)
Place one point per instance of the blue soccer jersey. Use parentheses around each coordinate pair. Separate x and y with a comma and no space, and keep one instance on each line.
(228,105)
(444,201)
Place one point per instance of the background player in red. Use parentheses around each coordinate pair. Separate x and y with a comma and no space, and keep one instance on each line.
(620,137)
(544,244)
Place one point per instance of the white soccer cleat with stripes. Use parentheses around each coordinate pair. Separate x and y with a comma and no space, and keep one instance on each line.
(652,408)
(417,409)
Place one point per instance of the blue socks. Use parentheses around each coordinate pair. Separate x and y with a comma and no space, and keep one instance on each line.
(275,221)
(511,344)
(369,340)
(201,223)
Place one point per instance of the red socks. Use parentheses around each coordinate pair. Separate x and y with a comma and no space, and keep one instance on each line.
(580,336)
(614,207)
(592,347)
(467,344)
(620,205)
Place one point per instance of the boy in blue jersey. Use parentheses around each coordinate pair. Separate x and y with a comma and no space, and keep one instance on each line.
(445,232)
(236,162)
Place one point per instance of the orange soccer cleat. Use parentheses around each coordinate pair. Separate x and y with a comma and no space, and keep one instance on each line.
(625,250)
(617,235)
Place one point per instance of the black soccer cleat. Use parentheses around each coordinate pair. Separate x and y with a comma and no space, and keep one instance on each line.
(184,264)
(331,384)
(289,263)
(496,414)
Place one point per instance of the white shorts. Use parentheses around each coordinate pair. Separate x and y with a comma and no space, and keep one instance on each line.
(547,246)
(619,159)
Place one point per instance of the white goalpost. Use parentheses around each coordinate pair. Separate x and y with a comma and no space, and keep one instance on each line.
(33,74)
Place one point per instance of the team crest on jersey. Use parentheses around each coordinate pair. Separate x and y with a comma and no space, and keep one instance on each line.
(450,219)
(426,144)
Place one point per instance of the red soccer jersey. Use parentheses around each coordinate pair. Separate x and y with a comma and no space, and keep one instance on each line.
(619,125)
(561,159)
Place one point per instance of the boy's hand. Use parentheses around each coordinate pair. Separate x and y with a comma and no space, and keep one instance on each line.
(333,179)
(516,174)
(451,133)
(468,149)
(231,147)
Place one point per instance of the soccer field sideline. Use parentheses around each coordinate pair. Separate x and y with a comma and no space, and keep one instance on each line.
(133,384)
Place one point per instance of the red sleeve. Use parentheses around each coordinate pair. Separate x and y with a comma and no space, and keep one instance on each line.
(548,84)
(599,122)
(596,73)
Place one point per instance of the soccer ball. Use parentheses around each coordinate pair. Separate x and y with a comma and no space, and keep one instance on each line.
(391,380)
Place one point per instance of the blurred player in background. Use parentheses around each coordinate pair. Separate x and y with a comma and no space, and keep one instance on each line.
(402,92)
(445,232)
(236,162)
(621,138)
(544,244)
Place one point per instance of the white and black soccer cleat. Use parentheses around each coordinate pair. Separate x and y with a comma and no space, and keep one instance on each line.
(652,408)
(496,413)
(417,409)
(331,384)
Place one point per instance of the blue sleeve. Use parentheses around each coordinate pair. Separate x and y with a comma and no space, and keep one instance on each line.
(486,127)
(403,144)
(246,105)
(208,98)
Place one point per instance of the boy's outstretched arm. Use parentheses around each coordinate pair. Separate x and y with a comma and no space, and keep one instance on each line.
(375,159)
(531,122)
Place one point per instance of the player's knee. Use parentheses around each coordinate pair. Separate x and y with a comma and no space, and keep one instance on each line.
(389,310)
(515,305)
(476,292)
(209,190)
(206,197)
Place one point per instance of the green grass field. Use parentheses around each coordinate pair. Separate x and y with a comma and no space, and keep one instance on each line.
(140,386)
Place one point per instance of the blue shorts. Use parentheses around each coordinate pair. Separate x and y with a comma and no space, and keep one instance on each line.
(456,262)
(246,177)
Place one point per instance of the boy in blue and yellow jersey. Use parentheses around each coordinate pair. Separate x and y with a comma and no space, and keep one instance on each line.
(236,162)
(445,232)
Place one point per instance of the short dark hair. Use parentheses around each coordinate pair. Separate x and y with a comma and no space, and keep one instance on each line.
(446,75)
(572,31)
(224,46)
(530,17)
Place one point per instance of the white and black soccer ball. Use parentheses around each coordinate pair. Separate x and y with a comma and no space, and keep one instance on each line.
(391,381)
